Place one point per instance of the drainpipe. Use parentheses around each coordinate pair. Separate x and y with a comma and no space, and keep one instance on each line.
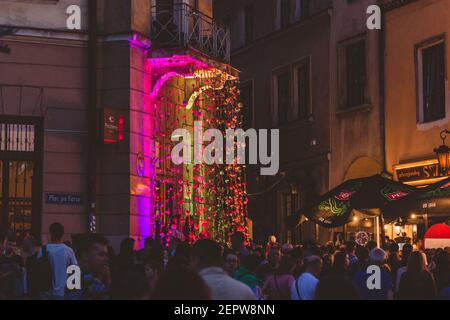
(92,116)
(382,47)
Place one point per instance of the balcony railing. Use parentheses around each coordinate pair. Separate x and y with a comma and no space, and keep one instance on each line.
(182,26)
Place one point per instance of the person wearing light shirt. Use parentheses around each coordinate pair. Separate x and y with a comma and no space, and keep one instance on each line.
(206,258)
(304,288)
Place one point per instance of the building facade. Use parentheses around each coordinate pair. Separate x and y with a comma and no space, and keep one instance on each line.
(417,98)
(282,49)
(319,85)
(87,119)
(356,103)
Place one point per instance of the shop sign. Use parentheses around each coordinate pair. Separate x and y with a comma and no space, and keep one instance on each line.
(419,171)
(112,126)
(64,199)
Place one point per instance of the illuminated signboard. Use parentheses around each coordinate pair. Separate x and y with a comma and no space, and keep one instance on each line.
(112,124)
(418,173)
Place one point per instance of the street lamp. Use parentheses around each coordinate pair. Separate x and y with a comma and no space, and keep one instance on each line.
(443,153)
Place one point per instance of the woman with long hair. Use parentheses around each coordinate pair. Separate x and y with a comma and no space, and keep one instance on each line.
(278,286)
(341,262)
(417,283)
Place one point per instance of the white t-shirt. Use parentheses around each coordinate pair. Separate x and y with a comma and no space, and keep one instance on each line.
(307,285)
(223,287)
(60,257)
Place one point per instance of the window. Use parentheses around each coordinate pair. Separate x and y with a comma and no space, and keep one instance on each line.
(227,21)
(247,101)
(285,13)
(289,205)
(304,9)
(20,145)
(248,24)
(302,90)
(282,95)
(431,81)
(355,74)
(17,137)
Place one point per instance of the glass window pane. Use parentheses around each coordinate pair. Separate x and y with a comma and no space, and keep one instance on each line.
(20,196)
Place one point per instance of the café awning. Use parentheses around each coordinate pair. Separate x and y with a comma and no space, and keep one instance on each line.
(335,208)
(434,199)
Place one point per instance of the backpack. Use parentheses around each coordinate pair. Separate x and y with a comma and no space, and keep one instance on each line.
(40,273)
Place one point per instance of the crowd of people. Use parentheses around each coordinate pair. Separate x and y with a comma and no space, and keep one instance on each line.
(208,270)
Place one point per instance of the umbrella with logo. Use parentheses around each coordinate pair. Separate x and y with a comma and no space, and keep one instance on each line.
(378,192)
(335,208)
(432,199)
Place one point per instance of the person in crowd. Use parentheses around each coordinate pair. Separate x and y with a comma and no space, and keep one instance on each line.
(406,253)
(152,271)
(441,272)
(271,242)
(278,286)
(403,239)
(122,269)
(181,284)
(126,257)
(274,258)
(144,254)
(362,253)
(231,263)
(30,249)
(297,257)
(238,245)
(339,240)
(11,270)
(180,256)
(417,283)
(206,258)
(286,248)
(264,269)
(328,257)
(247,273)
(260,252)
(315,250)
(377,257)
(95,276)
(60,257)
(340,264)
(420,246)
(336,287)
(350,247)
(394,259)
(371,244)
(304,288)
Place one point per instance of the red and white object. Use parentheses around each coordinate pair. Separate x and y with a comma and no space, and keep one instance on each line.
(438,236)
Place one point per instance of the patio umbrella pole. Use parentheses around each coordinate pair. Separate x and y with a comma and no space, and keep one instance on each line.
(378,230)
(383,237)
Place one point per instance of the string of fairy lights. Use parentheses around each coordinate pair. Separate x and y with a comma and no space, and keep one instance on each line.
(194,201)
